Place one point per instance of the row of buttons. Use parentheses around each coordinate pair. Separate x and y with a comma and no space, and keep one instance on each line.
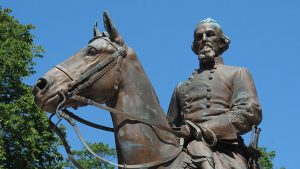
(186,103)
(208,96)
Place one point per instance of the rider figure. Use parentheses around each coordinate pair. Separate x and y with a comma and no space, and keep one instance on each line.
(219,100)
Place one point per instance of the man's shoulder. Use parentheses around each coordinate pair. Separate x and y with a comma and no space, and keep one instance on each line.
(232,68)
(235,70)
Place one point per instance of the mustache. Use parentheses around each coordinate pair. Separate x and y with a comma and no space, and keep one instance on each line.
(205,48)
(206,43)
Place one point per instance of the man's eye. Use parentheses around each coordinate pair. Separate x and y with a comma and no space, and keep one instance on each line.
(200,36)
(209,34)
(92,52)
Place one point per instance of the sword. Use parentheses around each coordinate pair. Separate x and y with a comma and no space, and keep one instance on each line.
(253,150)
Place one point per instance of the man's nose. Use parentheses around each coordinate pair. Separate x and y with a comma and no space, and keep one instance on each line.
(204,38)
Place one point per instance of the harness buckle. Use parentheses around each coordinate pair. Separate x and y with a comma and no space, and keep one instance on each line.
(122,52)
(181,141)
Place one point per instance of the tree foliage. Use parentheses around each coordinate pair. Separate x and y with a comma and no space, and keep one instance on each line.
(25,138)
(266,159)
(89,161)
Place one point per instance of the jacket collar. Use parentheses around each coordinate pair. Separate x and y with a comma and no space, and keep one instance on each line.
(209,65)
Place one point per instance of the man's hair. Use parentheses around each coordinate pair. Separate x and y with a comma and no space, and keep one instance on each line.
(225,39)
(209,20)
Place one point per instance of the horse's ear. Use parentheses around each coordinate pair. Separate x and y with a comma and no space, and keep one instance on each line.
(109,26)
(96,30)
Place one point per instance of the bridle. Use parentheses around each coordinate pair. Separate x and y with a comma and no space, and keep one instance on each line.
(82,82)
(85,80)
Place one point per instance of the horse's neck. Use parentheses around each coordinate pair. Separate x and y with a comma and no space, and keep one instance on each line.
(138,142)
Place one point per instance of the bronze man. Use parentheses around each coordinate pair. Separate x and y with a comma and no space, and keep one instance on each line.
(219,100)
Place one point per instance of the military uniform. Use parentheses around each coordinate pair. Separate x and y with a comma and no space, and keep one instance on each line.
(223,99)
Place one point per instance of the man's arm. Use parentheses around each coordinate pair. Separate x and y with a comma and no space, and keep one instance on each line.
(245,110)
(174,111)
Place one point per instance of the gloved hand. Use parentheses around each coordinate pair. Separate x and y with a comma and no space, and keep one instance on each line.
(184,129)
(208,135)
(194,130)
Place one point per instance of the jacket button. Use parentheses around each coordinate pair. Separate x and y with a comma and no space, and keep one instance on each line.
(208,89)
(186,110)
(207,105)
(208,97)
(212,71)
(210,78)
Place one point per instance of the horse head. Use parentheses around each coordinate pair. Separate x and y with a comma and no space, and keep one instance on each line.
(82,69)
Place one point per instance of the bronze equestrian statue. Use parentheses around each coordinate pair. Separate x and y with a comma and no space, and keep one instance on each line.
(217,104)
(108,72)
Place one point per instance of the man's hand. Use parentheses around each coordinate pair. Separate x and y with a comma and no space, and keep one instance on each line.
(194,130)
(186,131)
(208,135)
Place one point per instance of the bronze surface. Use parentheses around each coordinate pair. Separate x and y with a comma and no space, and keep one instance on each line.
(221,100)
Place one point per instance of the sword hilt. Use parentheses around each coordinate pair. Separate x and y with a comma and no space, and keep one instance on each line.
(253,150)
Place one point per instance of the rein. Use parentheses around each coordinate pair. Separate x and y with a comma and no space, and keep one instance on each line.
(65,114)
(81,83)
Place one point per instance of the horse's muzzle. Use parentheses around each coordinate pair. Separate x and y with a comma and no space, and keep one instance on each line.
(43,97)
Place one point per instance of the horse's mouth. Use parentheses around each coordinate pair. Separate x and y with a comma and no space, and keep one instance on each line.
(48,102)
(51,104)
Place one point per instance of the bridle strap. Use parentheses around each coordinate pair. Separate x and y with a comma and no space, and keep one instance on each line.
(55,129)
(127,115)
(95,69)
(88,123)
(62,69)
(104,66)
(117,76)
(81,86)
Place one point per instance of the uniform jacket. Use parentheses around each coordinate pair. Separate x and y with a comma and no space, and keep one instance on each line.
(222,98)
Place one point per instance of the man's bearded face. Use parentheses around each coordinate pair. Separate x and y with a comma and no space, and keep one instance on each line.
(207,41)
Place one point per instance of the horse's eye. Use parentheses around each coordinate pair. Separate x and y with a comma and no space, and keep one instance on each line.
(92,51)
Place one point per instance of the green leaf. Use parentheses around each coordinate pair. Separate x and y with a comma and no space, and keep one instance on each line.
(266,159)
(25,138)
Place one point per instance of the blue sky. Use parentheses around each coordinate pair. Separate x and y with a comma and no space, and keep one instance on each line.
(264,38)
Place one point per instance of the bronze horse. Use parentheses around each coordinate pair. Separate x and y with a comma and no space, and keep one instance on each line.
(107,71)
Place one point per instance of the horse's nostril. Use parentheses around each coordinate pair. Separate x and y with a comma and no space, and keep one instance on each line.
(41,83)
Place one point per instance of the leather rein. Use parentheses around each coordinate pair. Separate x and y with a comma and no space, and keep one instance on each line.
(85,80)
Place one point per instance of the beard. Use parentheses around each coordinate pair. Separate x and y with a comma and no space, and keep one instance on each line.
(206,53)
